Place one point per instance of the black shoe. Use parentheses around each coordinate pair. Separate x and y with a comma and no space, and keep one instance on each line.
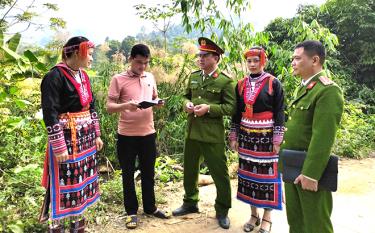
(56,229)
(185,209)
(223,220)
(161,214)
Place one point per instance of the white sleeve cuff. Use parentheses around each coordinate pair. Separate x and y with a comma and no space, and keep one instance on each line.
(309,178)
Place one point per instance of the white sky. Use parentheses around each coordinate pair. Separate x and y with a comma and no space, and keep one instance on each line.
(117,18)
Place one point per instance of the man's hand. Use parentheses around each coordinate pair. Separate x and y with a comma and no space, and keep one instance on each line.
(233,145)
(62,157)
(131,106)
(99,143)
(201,109)
(189,107)
(283,197)
(306,183)
(160,104)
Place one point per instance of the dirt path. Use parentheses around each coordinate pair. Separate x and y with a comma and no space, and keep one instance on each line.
(353,211)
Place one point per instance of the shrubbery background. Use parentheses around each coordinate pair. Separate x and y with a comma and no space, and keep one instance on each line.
(22,134)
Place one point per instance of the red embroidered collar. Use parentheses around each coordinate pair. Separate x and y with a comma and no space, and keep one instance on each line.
(84,89)
(251,96)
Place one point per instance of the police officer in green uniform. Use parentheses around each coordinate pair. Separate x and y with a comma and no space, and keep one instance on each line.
(314,118)
(209,96)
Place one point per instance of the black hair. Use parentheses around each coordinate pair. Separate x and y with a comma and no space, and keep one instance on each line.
(312,48)
(140,49)
(73,43)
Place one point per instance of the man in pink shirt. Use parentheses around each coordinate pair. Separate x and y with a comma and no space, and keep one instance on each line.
(136,132)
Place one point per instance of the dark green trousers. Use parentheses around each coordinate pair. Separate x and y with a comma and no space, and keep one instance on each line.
(308,212)
(214,156)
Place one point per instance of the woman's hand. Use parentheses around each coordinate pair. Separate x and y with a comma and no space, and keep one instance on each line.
(233,145)
(62,157)
(99,143)
(276,148)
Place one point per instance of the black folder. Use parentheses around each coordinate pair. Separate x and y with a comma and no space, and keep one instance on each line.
(150,103)
(292,166)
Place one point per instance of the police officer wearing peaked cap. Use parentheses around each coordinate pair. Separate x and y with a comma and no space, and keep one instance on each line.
(208,97)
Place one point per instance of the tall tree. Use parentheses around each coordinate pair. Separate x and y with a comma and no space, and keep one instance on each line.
(161,17)
(114,47)
(126,45)
(13,13)
(353,21)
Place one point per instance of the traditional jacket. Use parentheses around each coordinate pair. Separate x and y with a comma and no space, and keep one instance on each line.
(61,93)
(269,99)
(217,91)
(314,118)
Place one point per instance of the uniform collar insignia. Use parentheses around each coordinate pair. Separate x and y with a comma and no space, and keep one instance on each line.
(311,85)
(215,75)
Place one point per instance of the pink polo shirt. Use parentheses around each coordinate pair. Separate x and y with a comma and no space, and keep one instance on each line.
(128,86)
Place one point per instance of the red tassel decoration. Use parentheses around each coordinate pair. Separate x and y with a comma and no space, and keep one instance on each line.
(83,48)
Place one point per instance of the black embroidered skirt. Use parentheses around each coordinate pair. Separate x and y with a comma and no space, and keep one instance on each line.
(259,182)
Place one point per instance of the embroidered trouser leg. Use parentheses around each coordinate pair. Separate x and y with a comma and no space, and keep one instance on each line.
(308,212)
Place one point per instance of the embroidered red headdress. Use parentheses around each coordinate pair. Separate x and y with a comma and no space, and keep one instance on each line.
(82,48)
(257,51)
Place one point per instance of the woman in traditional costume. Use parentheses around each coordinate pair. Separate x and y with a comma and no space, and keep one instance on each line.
(70,169)
(256,133)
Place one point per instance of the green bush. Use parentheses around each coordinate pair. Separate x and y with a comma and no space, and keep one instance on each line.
(21,197)
(165,170)
(355,138)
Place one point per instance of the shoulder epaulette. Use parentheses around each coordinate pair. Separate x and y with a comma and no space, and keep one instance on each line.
(326,81)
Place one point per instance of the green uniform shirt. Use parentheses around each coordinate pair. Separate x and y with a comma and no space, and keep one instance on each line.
(217,91)
(314,118)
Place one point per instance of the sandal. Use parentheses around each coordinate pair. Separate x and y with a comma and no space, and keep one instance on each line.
(248,227)
(131,222)
(161,214)
(261,230)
